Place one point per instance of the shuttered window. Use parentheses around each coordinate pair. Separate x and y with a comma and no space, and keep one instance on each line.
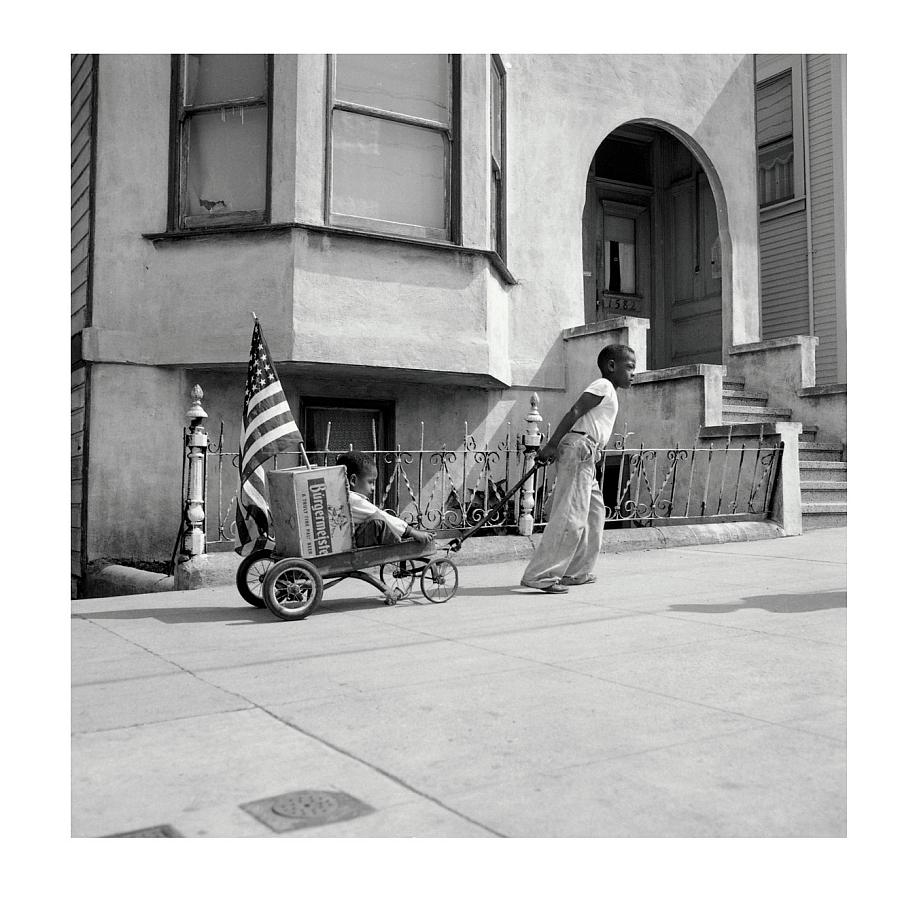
(775,140)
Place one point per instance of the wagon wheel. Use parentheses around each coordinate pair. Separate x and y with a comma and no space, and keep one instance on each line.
(440,579)
(250,575)
(399,576)
(292,589)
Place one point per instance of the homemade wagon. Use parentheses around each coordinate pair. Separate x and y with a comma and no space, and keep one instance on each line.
(315,550)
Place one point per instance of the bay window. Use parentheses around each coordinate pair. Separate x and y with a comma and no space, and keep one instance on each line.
(392,144)
(220,158)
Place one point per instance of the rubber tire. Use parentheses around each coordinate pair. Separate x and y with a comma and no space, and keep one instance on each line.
(243,583)
(442,568)
(313,591)
(404,591)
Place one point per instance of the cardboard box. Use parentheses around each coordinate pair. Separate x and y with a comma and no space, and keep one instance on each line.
(310,511)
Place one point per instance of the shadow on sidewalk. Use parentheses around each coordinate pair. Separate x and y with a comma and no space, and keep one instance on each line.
(775,602)
(186,615)
(238,614)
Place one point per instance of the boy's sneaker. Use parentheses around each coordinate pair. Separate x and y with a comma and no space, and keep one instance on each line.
(553,588)
(578,581)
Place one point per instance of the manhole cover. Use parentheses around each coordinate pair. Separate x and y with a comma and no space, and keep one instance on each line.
(306,808)
(161,830)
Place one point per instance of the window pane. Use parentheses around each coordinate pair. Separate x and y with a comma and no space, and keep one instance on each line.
(618,249)
(774,116)
(619,262)
(776,172)
(213,77)
(417,85)
(616,227)
(496,115)
(348,427)
(388,171)
(226,167)
(495,213)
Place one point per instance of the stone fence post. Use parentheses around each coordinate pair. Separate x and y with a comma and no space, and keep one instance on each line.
(787,505)
(531,441)
(197,443)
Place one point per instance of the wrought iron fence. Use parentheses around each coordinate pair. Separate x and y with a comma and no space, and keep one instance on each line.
(448,490)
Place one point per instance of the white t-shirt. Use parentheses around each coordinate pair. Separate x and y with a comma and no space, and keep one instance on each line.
(599,421)
(362,509)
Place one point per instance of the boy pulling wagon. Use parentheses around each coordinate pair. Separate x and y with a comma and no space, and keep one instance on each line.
(570,544)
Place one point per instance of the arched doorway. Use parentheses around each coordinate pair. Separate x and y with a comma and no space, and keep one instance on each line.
(650,242)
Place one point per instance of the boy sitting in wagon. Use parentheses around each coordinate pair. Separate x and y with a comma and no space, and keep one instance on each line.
(373,526)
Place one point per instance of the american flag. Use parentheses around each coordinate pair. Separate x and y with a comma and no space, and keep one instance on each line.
(267,427)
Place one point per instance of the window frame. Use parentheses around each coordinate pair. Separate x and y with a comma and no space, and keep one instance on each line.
(498,167)
(451,231)
(767,71)
(618,301)
(179,148)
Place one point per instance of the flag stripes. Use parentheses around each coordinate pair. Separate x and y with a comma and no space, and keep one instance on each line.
(267,428)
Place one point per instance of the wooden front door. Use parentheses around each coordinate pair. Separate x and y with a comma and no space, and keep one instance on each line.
(692,274)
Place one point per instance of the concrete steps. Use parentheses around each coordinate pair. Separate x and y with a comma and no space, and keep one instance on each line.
(821,452)
(816,470)
(735,397)
(823,486)
(824,491)
(752,414)
(823,471)
(823,515)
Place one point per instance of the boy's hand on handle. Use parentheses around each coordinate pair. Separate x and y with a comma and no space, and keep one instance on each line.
(421,536)
(546,454)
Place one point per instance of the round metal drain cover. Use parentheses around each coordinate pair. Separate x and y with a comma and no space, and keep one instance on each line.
(307,804)
(306,808)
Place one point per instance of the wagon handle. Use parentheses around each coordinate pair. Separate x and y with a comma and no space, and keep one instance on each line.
(456,543)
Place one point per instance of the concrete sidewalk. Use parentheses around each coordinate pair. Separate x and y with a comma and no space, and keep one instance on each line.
(690,692)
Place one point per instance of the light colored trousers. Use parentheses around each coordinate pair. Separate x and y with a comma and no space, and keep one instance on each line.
(570,544)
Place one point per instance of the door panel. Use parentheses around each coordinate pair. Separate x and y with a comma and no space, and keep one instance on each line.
(693,290)
(590,262)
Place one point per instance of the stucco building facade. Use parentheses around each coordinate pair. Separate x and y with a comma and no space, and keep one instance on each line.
(423,239)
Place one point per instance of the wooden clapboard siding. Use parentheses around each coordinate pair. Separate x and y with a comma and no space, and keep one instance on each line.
(785,281)
(803,243)
(83,139)
(83,98)
(79,406)
(822,215)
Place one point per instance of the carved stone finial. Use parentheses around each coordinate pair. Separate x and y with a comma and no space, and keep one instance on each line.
(533,421)
(196,411)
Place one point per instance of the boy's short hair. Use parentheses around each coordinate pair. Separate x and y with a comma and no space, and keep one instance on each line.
(612,352)
(355,463)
